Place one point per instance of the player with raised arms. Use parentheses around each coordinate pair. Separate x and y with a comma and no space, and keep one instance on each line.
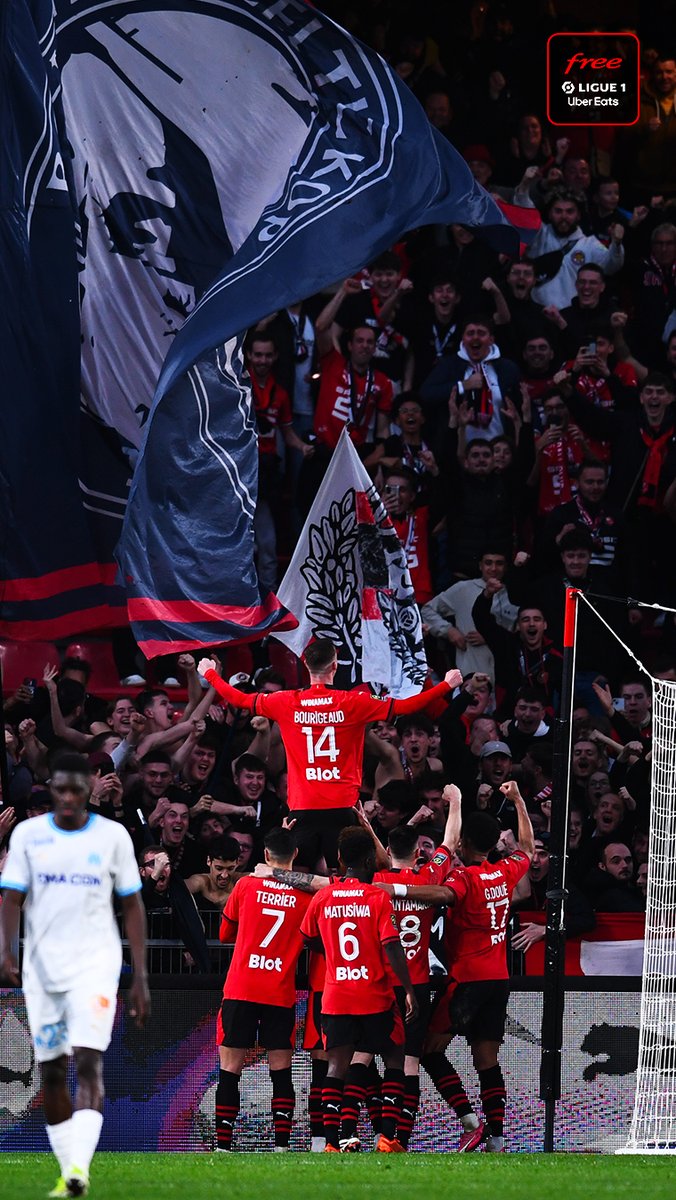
(62,871)
(475,1003)
(323,732)
(415,920)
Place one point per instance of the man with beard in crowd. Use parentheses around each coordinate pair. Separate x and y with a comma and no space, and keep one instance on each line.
(610,884)
(560,248)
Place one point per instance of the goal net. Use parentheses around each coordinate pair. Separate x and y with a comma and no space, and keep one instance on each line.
(653,1126)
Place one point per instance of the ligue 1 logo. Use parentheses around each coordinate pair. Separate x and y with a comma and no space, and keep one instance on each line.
(593,79)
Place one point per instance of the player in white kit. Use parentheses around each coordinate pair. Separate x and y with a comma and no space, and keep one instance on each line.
(62,870)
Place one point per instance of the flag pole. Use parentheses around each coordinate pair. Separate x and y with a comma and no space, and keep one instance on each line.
(555,944)
(4,773)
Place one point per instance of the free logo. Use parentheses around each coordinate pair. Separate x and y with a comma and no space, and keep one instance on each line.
(593,79)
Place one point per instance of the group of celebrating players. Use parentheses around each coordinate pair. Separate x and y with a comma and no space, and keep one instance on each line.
(368,929)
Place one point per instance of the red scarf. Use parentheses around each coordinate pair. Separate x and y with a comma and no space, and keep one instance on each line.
(595,390)
(481,399)
(657,452)
(558,459)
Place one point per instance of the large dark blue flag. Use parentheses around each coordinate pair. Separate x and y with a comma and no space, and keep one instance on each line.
(361,165)
(56,577)
(199,164)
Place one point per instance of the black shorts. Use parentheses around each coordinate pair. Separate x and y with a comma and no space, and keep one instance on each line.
(415,1032)
(312,1038)
(372,1033)
(317,831)
(242,1023)
(476,1011)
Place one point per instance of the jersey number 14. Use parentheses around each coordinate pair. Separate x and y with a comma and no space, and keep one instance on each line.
(323,746)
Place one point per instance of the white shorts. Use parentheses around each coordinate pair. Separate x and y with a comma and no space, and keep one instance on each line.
(83,1016)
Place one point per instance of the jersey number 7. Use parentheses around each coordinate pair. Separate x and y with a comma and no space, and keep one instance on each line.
(278,921)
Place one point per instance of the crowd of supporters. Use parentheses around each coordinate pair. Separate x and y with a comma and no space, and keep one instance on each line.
(518,417)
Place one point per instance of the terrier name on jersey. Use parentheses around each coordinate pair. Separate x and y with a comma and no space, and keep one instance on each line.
(279,901)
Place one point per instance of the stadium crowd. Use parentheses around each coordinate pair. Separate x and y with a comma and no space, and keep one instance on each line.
(518,418)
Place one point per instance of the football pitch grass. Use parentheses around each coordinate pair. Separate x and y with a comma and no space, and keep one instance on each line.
(371,1176)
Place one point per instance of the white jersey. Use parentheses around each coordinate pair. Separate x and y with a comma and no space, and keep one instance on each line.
(69,877)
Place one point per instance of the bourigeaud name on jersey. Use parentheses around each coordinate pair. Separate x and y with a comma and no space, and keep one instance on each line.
(335,717)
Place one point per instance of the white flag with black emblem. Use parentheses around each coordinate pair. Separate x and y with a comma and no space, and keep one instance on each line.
(348,581)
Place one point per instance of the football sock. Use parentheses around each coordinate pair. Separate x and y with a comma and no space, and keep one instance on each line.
(85,1133)
(374,1098)
(283,1104)
(61,1140)
(492,1086)
(319,1069)
(447,1082)
(354,1095)
(332,1103)
(227,1107)
(393,1093)
(495,1145)
(409,1107)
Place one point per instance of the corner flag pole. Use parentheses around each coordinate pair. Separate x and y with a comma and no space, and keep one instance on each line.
(555,944)
(4,773)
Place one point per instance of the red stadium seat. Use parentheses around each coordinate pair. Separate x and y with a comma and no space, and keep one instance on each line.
(25,660)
